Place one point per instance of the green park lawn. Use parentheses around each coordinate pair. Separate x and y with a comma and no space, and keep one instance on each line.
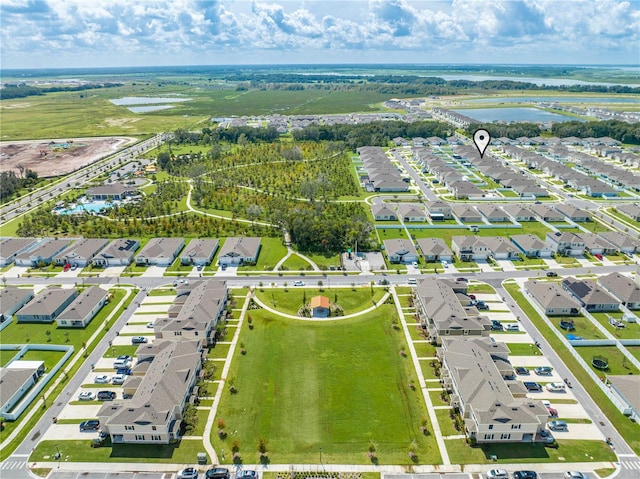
(337,385)
(290,300)
(618,363)
(295,263)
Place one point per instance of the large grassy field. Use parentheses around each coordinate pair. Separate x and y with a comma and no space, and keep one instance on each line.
(339,386)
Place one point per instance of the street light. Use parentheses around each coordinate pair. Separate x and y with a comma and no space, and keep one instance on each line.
(321,456)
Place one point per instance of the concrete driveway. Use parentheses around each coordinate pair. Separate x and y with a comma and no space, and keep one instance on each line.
(62,432)
(158,299)
(581,432)
(522,338)
(126,340)
(152,308)
(85,411)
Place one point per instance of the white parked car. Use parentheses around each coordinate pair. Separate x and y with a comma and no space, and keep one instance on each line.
(298,283)
(150,325)
(86,396)
(556,387)
(118,379)
(121,363)
(497,474)
(512,327)
(102,379)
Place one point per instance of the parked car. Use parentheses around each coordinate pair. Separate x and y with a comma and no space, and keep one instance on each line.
(463,279)
(199,267)
(552,412)
(547,436)
(66,267)
(557,425)
(598,256)
(106,396)
(497,327)
(531,386)
(124,357)
(412,281)
(139,340)
(74,267)
(551,274)
(124,371)
(150,325)
(188,473)
(86,396)
(445,264)
(525,475)
(217,473)
(522,370)
(415,264)
(118,379)
(482,306)
(121,363)
(90,425)
(512,327)
(497,474)
(248,474)
(102,379)
(556,387)
(543,371)
(298,283)
(574,475)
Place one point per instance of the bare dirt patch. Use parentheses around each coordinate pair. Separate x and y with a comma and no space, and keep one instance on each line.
(57,157)
(120,121)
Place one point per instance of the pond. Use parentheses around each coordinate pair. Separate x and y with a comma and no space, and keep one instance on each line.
(558,99)
(147,109)
(514,114)
(141,100)
(534,80)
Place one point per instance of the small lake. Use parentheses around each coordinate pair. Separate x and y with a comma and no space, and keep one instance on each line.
(557,99)
(534,80)
(513,114)
(147,109)
(142,100)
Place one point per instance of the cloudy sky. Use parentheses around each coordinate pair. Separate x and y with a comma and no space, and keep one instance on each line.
(94,33)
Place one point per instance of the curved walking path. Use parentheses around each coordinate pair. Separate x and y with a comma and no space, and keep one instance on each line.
(290,252)
(335,318)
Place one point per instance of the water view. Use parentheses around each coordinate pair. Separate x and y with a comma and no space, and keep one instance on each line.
(534,80)
(558,99)
(146,109)
(513,114)
(142,100)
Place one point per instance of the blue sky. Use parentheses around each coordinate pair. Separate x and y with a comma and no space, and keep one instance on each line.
(96,33)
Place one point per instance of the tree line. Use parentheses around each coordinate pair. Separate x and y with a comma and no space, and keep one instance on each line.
(10,183)
(618,130)
(22,90)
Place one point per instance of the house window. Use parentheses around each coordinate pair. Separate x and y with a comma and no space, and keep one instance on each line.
(490,426)
(129,428)
(505,436)
(153,428)
(516,426)
(139,437)
(488,437)
(155,437)
(177,333)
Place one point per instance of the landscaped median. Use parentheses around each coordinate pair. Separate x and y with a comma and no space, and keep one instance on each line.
(625,427)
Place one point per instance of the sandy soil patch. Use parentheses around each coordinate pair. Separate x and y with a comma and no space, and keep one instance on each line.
(120,121)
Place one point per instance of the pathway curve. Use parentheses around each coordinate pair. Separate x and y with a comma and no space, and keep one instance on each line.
(334,318)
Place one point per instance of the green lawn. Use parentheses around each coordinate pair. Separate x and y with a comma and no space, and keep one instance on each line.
(326,260)
(271,252)
(291,300)
(630,331)
(618,363)
(520,349)
(295,263)
(481,288)
(50,358)
(339,385)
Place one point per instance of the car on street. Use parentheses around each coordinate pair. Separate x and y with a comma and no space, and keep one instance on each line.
(217,473)
(556,387)
(532,386)
(106,396)
(497,474)
(543,371)
(525,475)
(90,425)
(298,283)
(139,340)
(187,473)
(574,475)
(102,379)
(463,279)
(551,274)
(557,425)
(412,281)
(521,370)
(86,396)
(118,379)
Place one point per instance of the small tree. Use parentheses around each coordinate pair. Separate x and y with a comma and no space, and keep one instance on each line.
(48,333)
(250,321)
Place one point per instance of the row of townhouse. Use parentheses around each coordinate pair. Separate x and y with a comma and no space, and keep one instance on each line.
(31,252)
(446,174)
(381,174)
(166,373)
(68,307)
(475,369)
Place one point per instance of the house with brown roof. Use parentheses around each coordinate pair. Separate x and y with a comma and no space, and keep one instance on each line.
(320,307)
(160,251)
(11,247)
(383,212)
(434,249)
(199,252)
(532,246)
(83,308)
(590,295)
(400,251)
(82,252)
(46,306)
(552,298)
(239,251)
(43,253)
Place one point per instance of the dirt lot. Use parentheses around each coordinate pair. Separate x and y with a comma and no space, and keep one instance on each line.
(57,157)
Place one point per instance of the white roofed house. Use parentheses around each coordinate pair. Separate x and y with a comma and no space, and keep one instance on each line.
(83,308)
(199,252)
(383,212)
(239,251)
(400,251)
(82,252)
(160,251)
(434,249)
(117,253)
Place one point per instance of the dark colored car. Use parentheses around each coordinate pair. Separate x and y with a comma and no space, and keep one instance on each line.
(90,425)
(531,386)
(551,274)
(525,475)
(125,371)
(106,396)
(522,371)
(463,279)
(217,473)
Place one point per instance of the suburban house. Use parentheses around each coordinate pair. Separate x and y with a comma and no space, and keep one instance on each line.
(624,243)
(154,414)
(320,307)
(16,378)
(553,299)
(566,244)
(400,251)
(623,288)
(632,210)
(519,213)
(467,214)
(11,300)
(113,191)
(532,246)
(434,249)
(82,252)
(464,190)
(501,248)
(575,214)
(160,251)
(470,248)
(596,244)
(383,212)
(625,390)
(11,247)
(195,313)
(410,212)
(439,210)
(546,213)
(591,296)
(493,214)
(46,306)
(42,254)
(83,308)
(440,310)
(494,409)
(118,253)
(199,252)
(239,251)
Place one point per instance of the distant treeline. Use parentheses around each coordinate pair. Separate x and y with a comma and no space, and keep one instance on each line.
(10,182)
(511,130)
(22,90)
(618,130)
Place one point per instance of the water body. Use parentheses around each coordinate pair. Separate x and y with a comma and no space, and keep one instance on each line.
(146,109)
(514,114)
(534,80)
(557,99)
(140,100)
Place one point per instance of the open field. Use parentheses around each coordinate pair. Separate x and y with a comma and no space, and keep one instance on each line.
(329,399)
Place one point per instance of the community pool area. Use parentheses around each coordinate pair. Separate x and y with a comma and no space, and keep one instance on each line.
(91,207)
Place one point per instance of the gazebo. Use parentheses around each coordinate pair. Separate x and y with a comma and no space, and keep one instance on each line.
(320,307)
